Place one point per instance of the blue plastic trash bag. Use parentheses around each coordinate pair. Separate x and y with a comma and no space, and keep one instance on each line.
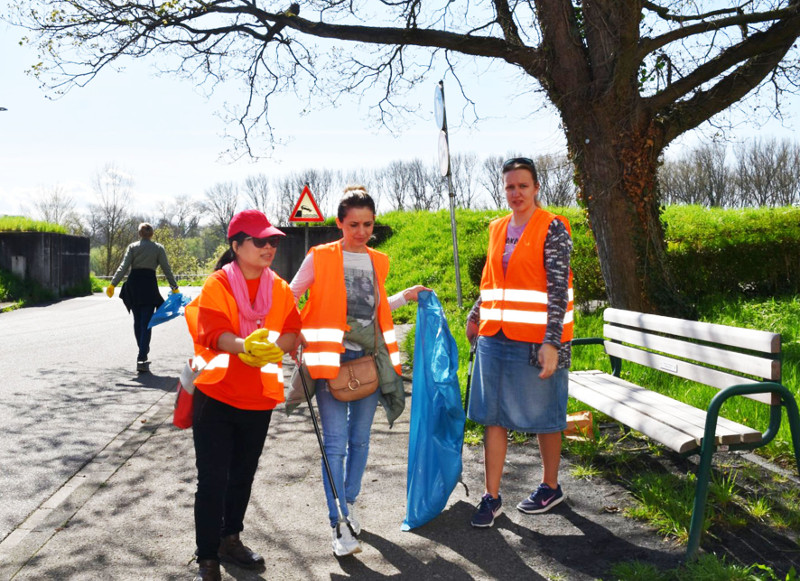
(169,309)
(436,432)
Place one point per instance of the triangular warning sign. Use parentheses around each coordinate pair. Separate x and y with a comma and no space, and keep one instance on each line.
(306,209)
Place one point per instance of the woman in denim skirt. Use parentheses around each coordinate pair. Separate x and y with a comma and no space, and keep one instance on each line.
(522,323)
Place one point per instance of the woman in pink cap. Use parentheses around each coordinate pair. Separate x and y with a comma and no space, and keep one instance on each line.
(242,322)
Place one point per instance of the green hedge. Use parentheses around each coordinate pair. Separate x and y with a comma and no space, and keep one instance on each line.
(755,252)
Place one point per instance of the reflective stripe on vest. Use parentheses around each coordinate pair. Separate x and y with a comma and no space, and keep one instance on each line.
(275,370)
(323,335)
(503,296)
(220,361)
(321,359)
(390,338)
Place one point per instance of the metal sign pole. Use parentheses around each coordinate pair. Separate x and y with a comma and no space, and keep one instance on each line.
(455,238)
(444,166)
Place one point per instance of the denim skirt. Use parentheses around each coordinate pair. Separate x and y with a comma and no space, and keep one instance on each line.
(506,389)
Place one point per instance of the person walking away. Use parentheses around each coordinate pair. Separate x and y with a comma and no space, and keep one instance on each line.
(339,321)
(241,323)
(522,323)
(140,292)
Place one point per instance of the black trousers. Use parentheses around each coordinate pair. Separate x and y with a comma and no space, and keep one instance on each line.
(228,442)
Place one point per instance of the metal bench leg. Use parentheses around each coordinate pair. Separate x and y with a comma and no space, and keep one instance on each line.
(700,498)
(794,425)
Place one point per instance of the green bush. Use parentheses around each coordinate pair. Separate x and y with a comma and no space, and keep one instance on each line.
(25,292)
(751,252)
(97,285)
(86,287)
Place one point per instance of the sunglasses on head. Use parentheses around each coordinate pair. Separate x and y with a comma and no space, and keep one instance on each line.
(518,160)
(262,242)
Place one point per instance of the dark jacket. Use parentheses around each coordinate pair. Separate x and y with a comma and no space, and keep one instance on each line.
(141,289)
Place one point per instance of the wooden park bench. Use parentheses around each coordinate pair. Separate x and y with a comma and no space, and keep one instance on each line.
(738,362)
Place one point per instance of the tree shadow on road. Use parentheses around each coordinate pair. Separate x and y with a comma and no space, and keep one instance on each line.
(571,545)
(497,559)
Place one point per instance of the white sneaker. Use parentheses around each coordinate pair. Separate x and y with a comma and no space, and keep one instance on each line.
(351,516)
(344,543)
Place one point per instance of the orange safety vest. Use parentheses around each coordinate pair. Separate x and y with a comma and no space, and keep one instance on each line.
(516,302)
(222,367)
(325,314)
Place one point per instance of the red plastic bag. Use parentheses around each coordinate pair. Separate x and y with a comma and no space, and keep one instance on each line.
(184,399)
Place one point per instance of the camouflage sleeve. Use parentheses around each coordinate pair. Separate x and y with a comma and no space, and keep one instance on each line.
(475,314)
(557,250)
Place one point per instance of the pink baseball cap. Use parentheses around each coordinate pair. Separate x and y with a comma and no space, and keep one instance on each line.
(253,223)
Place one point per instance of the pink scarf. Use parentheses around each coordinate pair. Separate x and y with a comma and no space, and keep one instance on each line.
(251,316)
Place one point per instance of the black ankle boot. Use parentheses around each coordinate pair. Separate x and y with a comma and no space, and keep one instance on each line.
(208,571)
(232,550)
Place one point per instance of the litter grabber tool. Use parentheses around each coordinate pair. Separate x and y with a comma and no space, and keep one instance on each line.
(470,365)
(342,519)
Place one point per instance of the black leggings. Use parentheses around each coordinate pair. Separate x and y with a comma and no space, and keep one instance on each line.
(227,442)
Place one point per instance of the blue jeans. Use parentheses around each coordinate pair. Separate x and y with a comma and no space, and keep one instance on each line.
(345,428)
(141,319)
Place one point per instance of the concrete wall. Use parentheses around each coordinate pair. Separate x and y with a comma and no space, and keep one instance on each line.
(56,261)
(293,248)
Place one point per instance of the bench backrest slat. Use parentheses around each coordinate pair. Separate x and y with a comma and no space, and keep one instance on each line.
(750,339)
(719,355)
(761,367)
(691,371)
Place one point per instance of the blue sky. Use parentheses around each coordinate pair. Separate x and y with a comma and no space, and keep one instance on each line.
(168,136)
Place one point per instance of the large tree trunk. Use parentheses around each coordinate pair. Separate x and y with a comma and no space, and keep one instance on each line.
(616,174)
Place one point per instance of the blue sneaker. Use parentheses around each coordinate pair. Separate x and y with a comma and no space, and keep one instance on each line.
(542,500)
(490,507)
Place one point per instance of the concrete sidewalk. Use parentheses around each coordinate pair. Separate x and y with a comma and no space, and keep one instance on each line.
(128,515)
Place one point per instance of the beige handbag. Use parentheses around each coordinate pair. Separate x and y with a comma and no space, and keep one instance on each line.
(358,378)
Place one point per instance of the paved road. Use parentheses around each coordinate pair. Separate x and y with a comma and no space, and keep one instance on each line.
(104,483)
(68,388)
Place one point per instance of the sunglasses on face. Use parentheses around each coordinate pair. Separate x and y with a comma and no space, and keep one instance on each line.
(262,242)
(518,160)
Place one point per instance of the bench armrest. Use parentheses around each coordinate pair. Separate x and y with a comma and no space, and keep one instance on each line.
(616,362)
(787,400)
(588,341)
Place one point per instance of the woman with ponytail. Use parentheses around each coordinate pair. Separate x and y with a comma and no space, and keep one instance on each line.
(241,324)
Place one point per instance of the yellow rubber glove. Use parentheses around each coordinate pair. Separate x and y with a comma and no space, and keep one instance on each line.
(252,360)
(176,291)
(259,335)
(267,351)
(110,290)
(257,345)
